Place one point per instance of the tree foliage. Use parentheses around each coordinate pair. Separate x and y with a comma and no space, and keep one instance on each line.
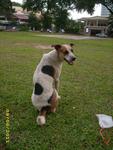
(47,21)
(6,8)
(46,5)
(61,19)
(110,26)
(16,4)
(74,26)
(53,11)
(33,22)
(88,5)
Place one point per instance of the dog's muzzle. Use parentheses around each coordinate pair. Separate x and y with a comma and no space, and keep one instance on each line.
(70,59)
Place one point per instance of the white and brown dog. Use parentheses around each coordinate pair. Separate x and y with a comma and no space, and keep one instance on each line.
(46,80)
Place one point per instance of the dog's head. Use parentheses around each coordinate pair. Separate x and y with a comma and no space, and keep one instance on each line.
(65,52)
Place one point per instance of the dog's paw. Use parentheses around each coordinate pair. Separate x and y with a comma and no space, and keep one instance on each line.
(59,97)
(41,120)
(53,110)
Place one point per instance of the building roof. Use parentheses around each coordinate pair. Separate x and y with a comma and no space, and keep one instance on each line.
(18,8)
(94,18)
(21,16)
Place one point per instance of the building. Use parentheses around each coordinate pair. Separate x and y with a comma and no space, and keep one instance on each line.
(4,23)
(19,9)
(21,18)
(94,25)
(20,15)
(104,11)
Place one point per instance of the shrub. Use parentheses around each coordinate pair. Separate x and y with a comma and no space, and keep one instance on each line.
(23,27)
(73,26)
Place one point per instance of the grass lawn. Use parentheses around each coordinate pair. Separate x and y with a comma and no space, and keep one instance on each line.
(86,89)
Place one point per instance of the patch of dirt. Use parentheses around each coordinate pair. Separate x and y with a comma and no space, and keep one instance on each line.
(22,43)
(43,46)
(39,46)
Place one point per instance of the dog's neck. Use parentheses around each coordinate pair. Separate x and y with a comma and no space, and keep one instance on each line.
(53,57)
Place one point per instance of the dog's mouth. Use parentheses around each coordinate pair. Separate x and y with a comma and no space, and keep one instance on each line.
(69,62)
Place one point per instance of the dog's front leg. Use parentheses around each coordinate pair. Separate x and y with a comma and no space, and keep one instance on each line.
(57,87)
(57,84)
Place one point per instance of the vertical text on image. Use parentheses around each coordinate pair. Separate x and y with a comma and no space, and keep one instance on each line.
(7,126)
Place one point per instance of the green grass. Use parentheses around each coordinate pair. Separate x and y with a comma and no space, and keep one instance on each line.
(87,86)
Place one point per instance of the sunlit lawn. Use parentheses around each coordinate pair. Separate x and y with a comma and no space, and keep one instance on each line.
(86,88)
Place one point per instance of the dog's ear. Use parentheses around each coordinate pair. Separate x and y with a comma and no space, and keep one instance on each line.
(57,47)
(71,44)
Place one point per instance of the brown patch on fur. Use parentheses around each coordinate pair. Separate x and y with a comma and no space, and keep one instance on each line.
(64,50)
(54,102)
(57,47)
(44,111)
(52,108)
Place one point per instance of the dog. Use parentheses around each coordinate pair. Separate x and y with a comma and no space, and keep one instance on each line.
(46,80)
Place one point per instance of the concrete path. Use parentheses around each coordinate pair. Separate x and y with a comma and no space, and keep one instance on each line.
(73,37)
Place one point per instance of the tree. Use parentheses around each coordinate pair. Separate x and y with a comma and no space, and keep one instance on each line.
(110,26)
(49,5)
(33,22)
(45,5)
(54,11)
(47,21)
(6,8)
(60,18)
(74,26)
(89,5)
(16,4)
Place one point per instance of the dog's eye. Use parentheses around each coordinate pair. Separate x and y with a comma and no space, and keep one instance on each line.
(66,52)
(72,50)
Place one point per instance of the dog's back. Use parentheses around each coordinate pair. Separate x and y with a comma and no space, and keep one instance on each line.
(43,84)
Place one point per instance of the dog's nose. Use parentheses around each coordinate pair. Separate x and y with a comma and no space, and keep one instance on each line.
(73,58)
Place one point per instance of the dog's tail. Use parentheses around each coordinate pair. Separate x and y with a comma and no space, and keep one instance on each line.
(41,119)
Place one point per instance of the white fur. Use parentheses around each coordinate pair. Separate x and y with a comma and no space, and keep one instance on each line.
(58,97)
(41,120)
(46,81)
